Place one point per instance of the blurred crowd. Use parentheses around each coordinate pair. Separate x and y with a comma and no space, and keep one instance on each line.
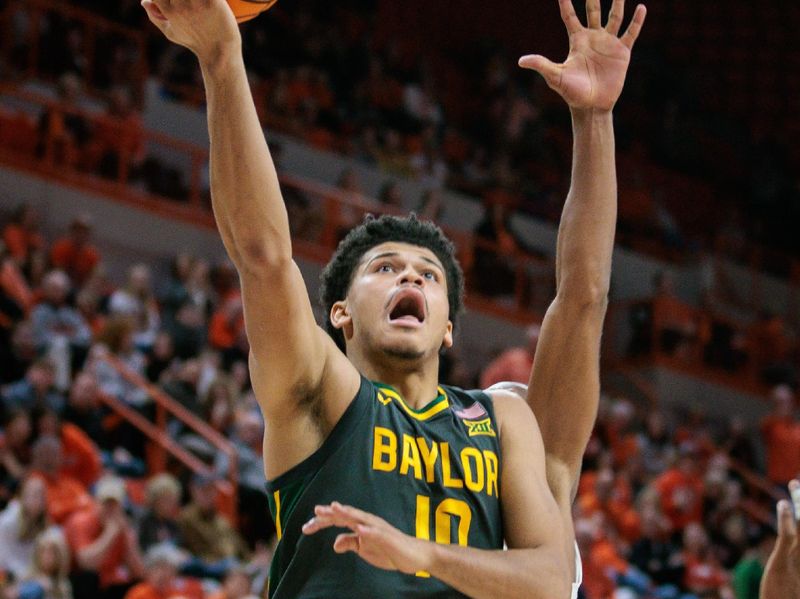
(666,506)
(330,75)
(82,514)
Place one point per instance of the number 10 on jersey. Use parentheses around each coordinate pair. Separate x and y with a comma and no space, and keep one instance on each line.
(443,519)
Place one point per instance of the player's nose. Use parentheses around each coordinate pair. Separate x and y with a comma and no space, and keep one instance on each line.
(409,276)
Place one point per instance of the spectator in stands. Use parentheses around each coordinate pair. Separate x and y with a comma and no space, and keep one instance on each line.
(656,554)
(16,297)
(161,357)
(514,364)
(87,302)
(681,489)
(103,541)
(80,457)
(189,330)
(117,340)
(656,449)
(206,533)
(120,135)
(226,327)
(137,301)
(63,129)
(19,354)
(59,328)
(780,432)
(20,523)
(161,577)
(49,575)
(498,250)
(36,390)
(704,574)
(83,407)
(237,585)
(184,387)
(15,450)
(175,291)
(74,253)
(159,524)
(748,572)
(66,496)
(247,439)
(24,241)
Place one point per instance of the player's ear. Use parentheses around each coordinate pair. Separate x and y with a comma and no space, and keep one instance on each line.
(447,342)
(340,317)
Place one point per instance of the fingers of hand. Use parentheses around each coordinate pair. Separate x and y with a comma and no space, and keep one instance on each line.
(787,527)
(569,17)
(336,514)
(593,14)
(546,68)
(351,541)
(635,27)
(615,17)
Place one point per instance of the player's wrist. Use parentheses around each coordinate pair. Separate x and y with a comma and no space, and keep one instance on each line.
(221,58)
(584,114)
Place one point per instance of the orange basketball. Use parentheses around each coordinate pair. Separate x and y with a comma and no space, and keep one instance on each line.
(249,9)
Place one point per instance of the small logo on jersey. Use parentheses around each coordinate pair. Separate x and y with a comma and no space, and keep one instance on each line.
(473,412)
(480,427)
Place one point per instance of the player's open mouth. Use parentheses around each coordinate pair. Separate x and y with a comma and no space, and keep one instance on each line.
(407,307)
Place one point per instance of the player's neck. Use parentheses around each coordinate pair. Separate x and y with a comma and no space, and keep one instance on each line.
(417,383)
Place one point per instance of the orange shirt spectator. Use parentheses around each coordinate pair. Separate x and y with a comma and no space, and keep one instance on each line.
(65,496)
(681,495)
(22,241)
(181,588)
(74,253)
(81,456)
(781,436)
(82,530)
(513,365)
(227,322)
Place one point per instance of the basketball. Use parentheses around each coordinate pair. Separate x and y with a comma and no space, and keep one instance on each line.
(244,10)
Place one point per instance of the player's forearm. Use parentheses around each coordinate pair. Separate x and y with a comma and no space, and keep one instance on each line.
(245,194)
(588,222)
(515,573)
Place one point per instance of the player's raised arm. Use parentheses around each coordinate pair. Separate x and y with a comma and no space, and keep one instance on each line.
(289,352)
(564,387)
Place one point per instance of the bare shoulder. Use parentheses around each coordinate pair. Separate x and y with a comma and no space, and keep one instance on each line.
(515,419)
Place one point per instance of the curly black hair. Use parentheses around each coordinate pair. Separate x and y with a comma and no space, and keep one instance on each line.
(338,274)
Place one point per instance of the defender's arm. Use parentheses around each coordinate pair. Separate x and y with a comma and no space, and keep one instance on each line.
(564,387)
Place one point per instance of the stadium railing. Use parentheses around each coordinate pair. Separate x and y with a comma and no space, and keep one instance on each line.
(162,446)
(26,53)
(319,213)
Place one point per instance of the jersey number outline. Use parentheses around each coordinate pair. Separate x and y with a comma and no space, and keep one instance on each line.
(445,512)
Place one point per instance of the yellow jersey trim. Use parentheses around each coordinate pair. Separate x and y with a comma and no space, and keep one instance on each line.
(386,394)
(278,528)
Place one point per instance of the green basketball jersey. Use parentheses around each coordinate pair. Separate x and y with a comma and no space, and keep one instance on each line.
(432,473)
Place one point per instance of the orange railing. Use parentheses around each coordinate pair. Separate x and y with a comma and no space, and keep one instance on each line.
(161,445)
(328,212)
(668,332)
(26,54)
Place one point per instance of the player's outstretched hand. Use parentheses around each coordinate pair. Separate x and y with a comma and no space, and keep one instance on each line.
(782,575)
(206,27)
(374,540)
(593,75)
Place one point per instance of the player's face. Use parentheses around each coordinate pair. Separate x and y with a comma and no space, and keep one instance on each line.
(397,303)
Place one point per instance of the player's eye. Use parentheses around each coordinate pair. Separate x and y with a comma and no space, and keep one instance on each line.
(430,275)
(385,268)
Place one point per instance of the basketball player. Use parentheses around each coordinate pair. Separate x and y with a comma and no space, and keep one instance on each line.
(383,482)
